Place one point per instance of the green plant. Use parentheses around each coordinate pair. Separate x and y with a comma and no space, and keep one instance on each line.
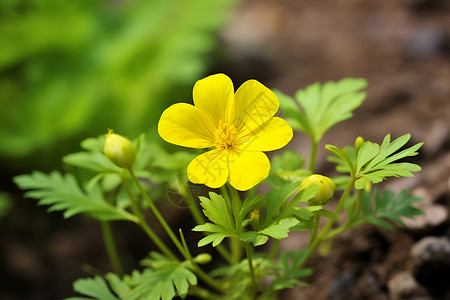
(236,224)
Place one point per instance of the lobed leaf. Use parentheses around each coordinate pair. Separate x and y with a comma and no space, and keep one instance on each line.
(62,193)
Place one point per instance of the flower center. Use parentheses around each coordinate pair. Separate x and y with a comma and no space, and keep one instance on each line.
(226,136)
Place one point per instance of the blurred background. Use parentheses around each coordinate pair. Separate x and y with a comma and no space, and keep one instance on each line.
(71,69)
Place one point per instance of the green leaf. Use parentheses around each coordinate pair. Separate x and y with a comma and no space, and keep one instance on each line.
(63,193)
(373,163)
(165,280)
(218,233)
(257,239)
(286,168)
(387,206)
(216,210)
(280,229)
(276,198)
(95,288)
(287,270)
(323,106)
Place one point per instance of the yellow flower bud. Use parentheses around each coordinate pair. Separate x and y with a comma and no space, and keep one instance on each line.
(325,192)
(358,143)
(119,150)
(254,215)
(203,258)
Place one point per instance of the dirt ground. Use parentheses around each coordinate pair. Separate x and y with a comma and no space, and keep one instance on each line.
(401,47)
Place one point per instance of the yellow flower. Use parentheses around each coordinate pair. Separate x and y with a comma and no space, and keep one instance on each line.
(236,128)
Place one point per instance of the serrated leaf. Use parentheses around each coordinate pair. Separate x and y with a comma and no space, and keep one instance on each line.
(280,229)
(387,206)
(62,193)
(216,210)
(323,106)
(257,239)
(377,167)
(217,234)
(276,198)
(168,279)
(287,270)
(287,167)
(95,288)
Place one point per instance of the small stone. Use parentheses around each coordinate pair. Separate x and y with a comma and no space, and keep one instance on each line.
(404,286)
(430,261)
(427,43)
(435,216)
(340,288)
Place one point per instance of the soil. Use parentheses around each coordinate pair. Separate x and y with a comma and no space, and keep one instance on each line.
(401,47)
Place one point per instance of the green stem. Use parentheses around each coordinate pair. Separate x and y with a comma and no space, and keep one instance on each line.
(193,208)
(111,248)
(204,276)
(312,155)
(273,250)
(172,236)
(157,214)
(314,231)
(235,243)
(248,250)
(141,221)
(202,293)
(323,234)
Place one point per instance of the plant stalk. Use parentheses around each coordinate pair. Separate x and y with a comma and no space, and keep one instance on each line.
(111,248)
(151,234)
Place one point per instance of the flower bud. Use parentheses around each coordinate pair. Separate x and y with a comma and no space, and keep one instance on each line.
(203,258)
(325,192)
(358,143)
(119,150)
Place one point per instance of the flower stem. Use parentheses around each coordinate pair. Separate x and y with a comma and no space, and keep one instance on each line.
(204,276)
(193,208)
(111,248)
(248,250)
(172,236)
(141,221)
(313,154)
(323,234)
(314,231)
(273,250)
(157,214)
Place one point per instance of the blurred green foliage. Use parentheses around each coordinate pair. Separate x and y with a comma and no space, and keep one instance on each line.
(70,69)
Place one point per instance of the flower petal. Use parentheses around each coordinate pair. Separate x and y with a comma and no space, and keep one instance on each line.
(185,125)
(254,105)
(214,95)
(273,135)
(210,168)
(247,169)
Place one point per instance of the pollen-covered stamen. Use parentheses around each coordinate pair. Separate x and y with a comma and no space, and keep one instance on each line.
(226,136)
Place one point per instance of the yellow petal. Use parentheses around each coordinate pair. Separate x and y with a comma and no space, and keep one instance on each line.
(210,168)
(247,169)
(185,125)
(254,105)
(273,135)
(214,95)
